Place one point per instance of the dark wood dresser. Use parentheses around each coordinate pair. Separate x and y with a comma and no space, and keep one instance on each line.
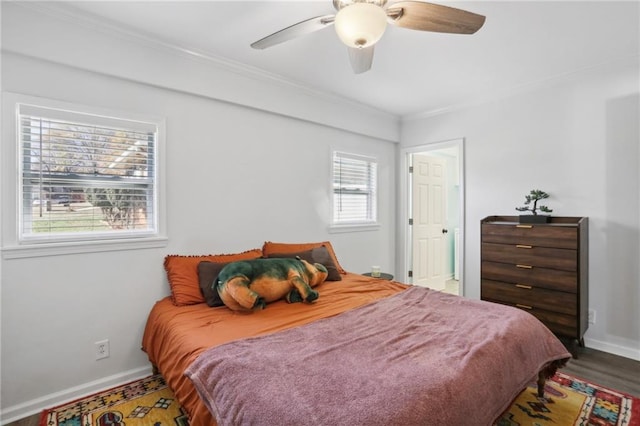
(540,268)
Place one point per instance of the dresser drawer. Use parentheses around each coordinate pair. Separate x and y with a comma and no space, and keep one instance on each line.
(564,259)
(533,235)
(529,296)
(565,325)
(561,324)
(543,268)
(553,279)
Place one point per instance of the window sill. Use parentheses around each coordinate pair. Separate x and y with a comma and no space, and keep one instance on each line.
(353,227)
(56,249)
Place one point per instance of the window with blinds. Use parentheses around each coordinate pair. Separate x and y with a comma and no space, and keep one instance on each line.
(354,189)
(85,176)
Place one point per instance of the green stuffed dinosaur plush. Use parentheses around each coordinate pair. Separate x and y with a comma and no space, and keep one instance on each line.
(251,284)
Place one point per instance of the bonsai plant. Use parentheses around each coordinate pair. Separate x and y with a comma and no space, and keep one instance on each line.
(534,196)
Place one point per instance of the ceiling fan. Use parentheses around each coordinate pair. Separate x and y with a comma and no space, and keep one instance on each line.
(361,23)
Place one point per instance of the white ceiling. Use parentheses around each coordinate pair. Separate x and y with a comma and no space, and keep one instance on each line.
(414,72)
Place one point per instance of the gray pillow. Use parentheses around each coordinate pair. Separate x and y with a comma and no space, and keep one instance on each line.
(207,276)
(315,255)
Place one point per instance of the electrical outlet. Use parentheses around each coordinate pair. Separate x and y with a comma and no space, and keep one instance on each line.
(102,349)
(592,316)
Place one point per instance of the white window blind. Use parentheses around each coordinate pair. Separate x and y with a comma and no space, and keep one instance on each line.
(354,189)
(85,176)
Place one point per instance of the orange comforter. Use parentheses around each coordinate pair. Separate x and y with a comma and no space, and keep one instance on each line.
(174,336)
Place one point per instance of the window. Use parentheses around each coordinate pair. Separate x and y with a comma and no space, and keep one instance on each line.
(84,176)
(354,189)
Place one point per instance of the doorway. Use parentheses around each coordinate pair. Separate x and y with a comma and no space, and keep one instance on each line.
(433,189)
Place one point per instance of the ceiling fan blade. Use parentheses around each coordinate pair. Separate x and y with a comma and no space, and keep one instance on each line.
(361,58)
(417,15)
(295,30)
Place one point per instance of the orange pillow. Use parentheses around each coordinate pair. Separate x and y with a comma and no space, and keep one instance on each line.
(269,248)
(182,273)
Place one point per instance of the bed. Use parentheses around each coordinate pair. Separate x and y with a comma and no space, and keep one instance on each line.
(368,351)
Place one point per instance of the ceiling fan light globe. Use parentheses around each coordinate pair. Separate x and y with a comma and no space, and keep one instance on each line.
(360,24)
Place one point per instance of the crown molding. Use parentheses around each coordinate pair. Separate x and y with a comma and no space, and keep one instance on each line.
(520,89)
(61,11)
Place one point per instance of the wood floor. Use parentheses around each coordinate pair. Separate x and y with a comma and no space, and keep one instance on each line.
(605,369)
(601,368)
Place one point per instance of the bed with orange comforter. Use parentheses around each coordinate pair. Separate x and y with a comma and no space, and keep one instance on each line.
(439,345)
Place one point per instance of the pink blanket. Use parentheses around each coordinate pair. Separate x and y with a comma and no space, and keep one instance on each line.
(420,357)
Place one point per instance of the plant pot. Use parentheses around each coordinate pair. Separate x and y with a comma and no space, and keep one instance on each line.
(534,218)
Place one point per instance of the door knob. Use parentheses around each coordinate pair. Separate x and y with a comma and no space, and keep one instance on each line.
(444,230)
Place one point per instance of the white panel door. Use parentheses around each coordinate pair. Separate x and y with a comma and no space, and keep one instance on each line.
(429,215)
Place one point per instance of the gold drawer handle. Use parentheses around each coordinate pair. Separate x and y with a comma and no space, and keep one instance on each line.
(524,226)
(524,266)
(523,306)
(526,287)
(523,246)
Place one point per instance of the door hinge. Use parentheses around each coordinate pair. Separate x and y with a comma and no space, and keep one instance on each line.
(410,169)
(410,221)
(410,274)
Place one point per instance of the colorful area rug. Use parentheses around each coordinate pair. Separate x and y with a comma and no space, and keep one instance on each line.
(570,401)
(144,402)
(148,402)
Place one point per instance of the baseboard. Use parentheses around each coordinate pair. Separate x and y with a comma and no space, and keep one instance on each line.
(35,406)
(613,349)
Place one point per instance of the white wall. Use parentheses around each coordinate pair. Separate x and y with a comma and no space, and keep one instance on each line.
(577,138)
(236,175)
